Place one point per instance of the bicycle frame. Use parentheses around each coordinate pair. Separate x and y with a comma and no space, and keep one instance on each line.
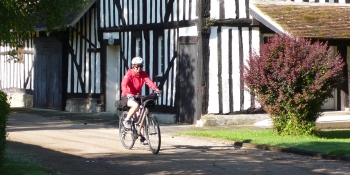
(142,116)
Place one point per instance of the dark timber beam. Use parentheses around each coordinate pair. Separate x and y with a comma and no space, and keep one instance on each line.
(120,11)
(94,50)
(203,11)
(168,10)
(83,36)
(233,22)
(158,26)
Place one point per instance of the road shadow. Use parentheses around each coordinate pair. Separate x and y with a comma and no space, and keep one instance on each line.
(177,159)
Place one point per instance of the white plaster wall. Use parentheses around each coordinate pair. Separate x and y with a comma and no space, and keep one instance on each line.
(256,47)
(236,81)
(143,56)
(188,31)
(213,107)
(113,80)
(125,12)
(154,13)
(193,11)
(111,7)
(148,11)
(230,7)
(115,35)
(159,15)
(102,14)
(181,10)
(166,38)
(172,72)
(214,9)
(242,9)
(225,69)
(97,72)
(246,47)
(175,10)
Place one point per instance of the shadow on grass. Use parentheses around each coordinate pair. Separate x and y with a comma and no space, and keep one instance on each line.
(339,134)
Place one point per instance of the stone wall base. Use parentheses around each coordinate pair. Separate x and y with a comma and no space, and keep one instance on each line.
(19,99)
(83,105)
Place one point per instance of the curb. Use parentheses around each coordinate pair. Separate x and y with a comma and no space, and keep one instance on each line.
(293,151)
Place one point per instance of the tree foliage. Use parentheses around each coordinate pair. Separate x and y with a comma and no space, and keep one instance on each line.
(4,112)
(20,17)
(292,77)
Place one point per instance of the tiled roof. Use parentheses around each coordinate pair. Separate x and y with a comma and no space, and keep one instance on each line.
(306,20)
(71,18)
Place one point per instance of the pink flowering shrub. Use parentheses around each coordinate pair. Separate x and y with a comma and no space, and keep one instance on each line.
(292,77)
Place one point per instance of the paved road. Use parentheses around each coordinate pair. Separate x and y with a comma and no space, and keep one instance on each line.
(79,147)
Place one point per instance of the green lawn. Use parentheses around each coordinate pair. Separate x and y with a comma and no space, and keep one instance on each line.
(16,164)
(330,142)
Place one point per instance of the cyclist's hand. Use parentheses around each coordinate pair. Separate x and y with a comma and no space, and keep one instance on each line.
(130,96)
(158,92)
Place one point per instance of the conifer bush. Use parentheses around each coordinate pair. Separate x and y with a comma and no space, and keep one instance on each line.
(292,77)
(4,112)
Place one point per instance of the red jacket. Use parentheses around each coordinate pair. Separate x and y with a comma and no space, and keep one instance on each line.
(132,82)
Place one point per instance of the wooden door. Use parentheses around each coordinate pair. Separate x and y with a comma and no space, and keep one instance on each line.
(48,73)
(329,104)
(188,80)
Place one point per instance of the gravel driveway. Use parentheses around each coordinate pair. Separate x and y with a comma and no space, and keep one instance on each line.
(76,147)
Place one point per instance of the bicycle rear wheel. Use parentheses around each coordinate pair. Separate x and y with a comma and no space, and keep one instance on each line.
(153,133)
(127,136)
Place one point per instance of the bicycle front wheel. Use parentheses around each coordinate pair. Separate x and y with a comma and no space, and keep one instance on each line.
(126,135)
(153,133)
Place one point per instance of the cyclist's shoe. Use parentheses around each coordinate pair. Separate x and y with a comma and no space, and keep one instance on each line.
(143,141)
(127,124)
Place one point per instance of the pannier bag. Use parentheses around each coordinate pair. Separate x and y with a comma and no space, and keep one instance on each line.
(119,105)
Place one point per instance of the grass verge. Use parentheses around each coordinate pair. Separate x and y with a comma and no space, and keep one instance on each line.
(328,142)
(19,163)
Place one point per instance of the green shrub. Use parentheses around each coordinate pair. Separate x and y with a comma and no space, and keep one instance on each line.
(4,112)
(292,77)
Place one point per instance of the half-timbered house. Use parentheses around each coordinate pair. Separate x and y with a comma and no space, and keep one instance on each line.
(59,70)
(193,50)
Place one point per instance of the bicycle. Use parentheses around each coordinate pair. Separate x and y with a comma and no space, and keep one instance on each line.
(146,121)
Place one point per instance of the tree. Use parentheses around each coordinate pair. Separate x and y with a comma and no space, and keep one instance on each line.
(4,112)
(292,77)
(19,18)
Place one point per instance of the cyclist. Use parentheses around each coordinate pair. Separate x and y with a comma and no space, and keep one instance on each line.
(132,84)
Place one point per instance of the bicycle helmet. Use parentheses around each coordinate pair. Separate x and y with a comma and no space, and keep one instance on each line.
(137,61)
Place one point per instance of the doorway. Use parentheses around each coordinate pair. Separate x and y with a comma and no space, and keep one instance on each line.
(187,80)
(48,73)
